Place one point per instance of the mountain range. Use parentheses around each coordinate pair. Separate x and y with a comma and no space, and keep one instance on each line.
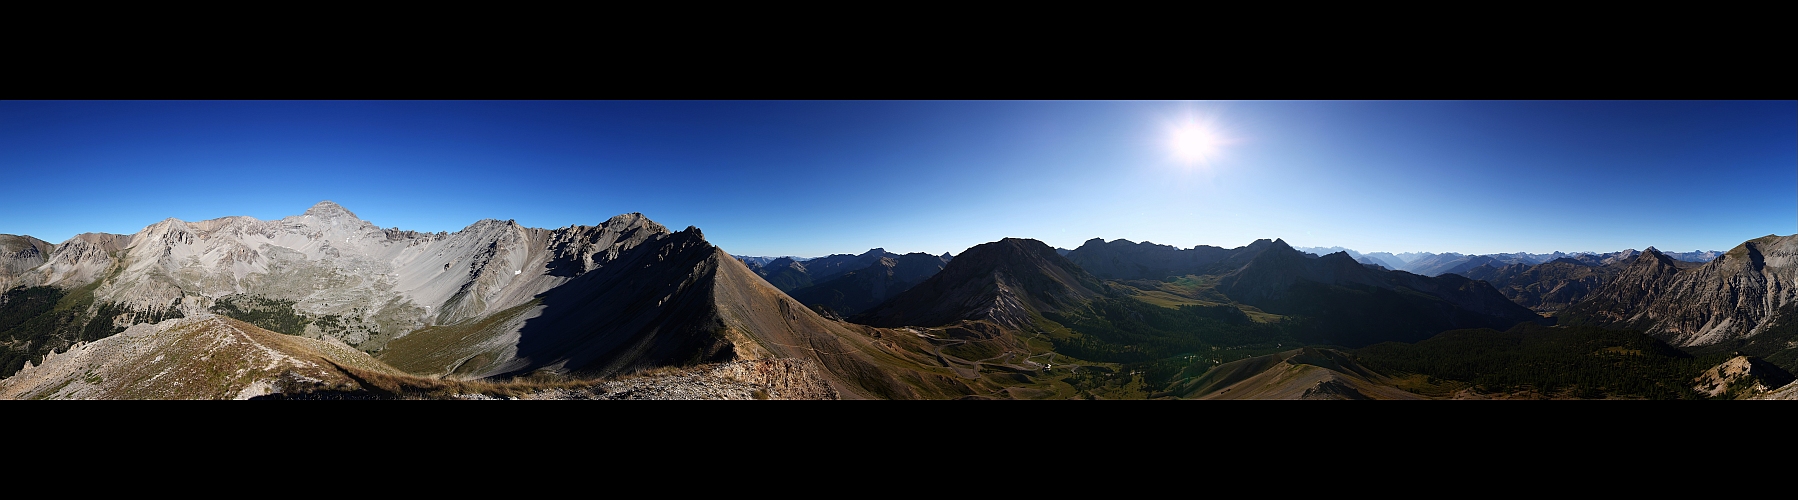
(1431,264)
(1744,298)
(324,305)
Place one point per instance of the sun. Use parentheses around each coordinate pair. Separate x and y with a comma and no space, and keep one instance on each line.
(1195,143)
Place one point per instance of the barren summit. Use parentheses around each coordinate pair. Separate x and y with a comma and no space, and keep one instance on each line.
(329,209)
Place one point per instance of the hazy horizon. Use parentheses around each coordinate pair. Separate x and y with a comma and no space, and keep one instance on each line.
(815,178)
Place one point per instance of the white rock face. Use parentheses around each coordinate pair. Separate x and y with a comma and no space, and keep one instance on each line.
(327,261)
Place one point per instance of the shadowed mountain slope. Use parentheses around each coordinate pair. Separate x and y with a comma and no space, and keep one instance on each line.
(1305,373)
(858,290)
(674,301)
(785,273)
(1003,282)
(1339,301)
(1546,287)
(789,274)
(1352,304)
(1122,259)
(829,267)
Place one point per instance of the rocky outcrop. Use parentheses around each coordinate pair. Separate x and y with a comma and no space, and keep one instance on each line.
(771,379)
(1741,377)
(776,379)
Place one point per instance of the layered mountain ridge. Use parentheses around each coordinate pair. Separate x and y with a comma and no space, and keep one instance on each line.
(1739,295)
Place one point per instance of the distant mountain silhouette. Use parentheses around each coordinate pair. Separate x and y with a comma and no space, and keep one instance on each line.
(1122,259)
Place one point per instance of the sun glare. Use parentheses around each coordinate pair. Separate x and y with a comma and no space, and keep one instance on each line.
(1194,143)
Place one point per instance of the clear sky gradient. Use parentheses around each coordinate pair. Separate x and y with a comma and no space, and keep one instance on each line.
(816,178)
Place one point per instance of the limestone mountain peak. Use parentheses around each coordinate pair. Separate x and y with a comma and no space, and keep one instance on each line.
(329,208)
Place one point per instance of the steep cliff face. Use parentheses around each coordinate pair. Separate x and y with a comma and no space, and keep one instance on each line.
(1733,297)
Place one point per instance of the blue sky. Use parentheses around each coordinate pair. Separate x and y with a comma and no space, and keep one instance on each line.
(815,178)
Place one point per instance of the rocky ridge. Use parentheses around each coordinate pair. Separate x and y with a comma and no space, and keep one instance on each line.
(1735,296)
